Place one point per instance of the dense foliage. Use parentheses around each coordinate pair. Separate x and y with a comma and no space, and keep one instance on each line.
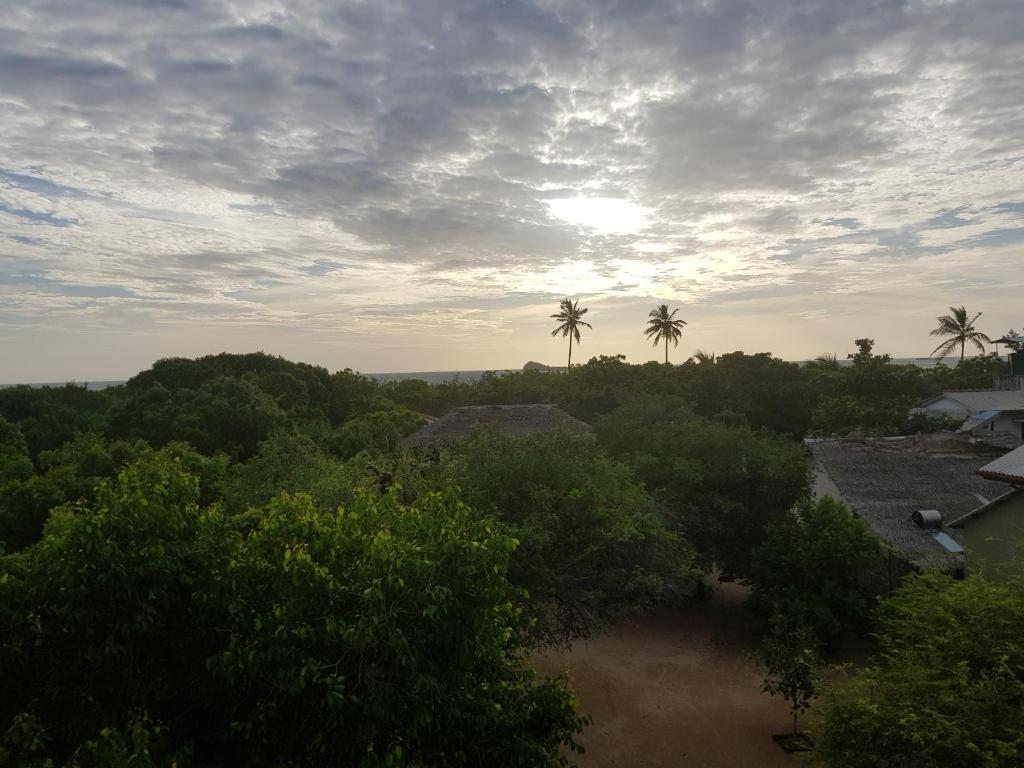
(720,480)
(591,540)
(290,636)
(948,688)
(178,585)
(819,568)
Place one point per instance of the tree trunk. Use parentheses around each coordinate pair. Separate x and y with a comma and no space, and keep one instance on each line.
(569,366)
(963,347)
(666,350)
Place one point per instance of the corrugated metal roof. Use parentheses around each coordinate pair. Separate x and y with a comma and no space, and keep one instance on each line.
(979,420)
(1008,468)
(986,399)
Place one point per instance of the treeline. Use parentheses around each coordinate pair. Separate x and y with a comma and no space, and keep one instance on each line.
(232,559)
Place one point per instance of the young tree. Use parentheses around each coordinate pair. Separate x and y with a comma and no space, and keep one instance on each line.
(663,326)
(959,330)
(794,668)
(570,318)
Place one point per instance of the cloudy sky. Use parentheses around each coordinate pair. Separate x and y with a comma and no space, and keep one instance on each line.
(412,186)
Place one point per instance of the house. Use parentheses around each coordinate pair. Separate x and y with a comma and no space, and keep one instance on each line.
(981,410)
(909,490)
(460,423)
(993,533)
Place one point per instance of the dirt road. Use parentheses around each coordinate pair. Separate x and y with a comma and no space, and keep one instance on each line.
(676,689)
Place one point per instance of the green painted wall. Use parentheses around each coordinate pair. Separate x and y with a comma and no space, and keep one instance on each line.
(995,538)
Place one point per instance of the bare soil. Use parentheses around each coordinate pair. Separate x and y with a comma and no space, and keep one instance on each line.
(676,689)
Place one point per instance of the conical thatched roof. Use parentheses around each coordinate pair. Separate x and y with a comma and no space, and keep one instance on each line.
(459,424)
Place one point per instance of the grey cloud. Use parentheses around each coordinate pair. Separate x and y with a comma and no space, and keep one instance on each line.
(431,133)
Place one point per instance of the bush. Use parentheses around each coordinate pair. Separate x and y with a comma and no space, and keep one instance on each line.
(948,687)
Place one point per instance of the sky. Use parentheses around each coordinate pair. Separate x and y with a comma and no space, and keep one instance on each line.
(413,186)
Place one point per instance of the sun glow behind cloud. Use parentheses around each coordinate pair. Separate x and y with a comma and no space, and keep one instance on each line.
(604,215)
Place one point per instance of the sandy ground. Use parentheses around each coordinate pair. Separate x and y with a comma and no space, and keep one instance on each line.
(676,689)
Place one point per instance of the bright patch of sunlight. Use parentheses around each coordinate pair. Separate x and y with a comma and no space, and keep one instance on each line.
(605,215)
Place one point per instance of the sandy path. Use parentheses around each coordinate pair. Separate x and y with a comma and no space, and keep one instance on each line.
(676,689)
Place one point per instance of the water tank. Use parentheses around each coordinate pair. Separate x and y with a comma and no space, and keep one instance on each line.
(1017,363)
(929,519)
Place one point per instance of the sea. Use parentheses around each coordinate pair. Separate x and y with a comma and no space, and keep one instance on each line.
(442,377)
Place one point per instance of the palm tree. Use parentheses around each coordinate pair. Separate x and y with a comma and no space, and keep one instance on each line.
(570,316)
(825,362)
(662,326)
(703,358)
(960,330)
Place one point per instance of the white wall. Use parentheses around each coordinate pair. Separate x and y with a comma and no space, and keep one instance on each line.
(947,407)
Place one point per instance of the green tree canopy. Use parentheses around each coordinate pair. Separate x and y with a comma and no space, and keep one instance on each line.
(376,635)
(819,567)
(592,542)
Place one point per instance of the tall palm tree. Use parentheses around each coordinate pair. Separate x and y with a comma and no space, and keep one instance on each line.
(960,330)
(569,316)
(663,327)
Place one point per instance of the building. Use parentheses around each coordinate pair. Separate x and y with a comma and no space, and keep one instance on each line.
(460,423)
(910,490)
(981,410)
(993,534)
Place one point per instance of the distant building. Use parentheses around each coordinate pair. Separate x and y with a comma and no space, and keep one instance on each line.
(917,493)
(460,423)
(981,410)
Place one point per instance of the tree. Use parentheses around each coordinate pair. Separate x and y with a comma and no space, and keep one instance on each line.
(376,635)
(663,326)
(721,482)
(865,354)
(819,567)
(702,357)
(791,658)
(960,331)
(824,362)
(592,543)
(570,316)
(947,686)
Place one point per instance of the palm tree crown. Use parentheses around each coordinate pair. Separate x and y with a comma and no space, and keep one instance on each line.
(959,330)
(663,327)
(569,315)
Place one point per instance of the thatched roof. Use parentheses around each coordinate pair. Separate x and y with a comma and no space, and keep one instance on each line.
(459,424)
(885,481)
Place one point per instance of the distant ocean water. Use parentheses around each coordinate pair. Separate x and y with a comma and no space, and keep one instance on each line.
(440,377)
